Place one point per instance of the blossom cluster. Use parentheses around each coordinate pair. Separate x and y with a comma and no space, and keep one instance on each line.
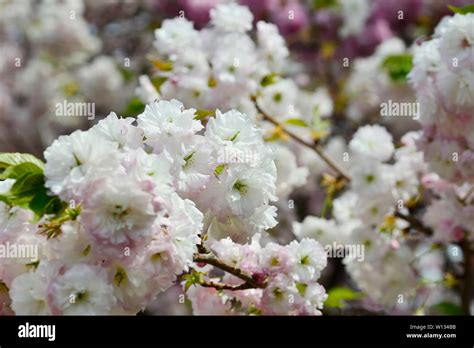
(364,214)
(139,198)
(221,66)
(291,273)
(53,51)
(369,84)
(356,25)
(175,210)
(443,78)
(65,51)
(385,180)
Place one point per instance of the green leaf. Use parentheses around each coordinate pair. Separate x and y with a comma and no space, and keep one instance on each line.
(39,202)
(134,107)
(320,128)
(337,296)
(13,159)
(462,10)
(5,199)
(42,204)
(203,113)
(296,122)
(320,4)
(398,66)
(448,308)
(162,65)
(126,73)
(28,185)
(157,81)
(29,191)
(16,171)
(54,206)
(277,133)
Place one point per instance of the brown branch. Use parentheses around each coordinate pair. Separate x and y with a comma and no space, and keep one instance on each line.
(414,223)
(223,286)
(313,146)
(467,288)
(214,261)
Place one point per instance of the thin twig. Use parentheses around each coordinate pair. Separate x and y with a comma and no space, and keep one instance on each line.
(415,223)
(214,261)
(223,286)
(313,146)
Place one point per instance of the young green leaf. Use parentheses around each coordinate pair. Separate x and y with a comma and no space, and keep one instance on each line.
(17,171)
(398,66)
(134,107)
(321,4)
(448,308)
(202,113)
(13,159)
(337,296)
(157,81)
(28,185)
(296,122)
(462,10)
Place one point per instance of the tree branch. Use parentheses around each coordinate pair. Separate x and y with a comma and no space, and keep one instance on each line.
(250,280)
(314,146)
(223,286)
(414,223)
